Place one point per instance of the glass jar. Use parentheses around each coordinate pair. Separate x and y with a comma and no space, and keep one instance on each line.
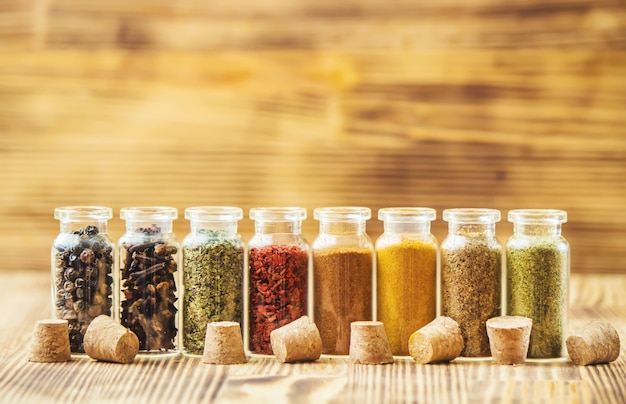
(149,257)
(538,265)
(82,269)
(406,274)
(471,270)
(343,258)
(278,261)
(213,265)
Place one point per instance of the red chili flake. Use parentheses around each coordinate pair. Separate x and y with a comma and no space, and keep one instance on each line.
(278,291)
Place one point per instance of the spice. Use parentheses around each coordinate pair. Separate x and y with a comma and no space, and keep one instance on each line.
(149,290)
(407,290)
(213,272)
(470,290)
(537,276)
(343,294)
(278,291)
(83,263)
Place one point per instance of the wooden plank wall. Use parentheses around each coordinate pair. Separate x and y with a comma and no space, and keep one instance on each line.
(513,104)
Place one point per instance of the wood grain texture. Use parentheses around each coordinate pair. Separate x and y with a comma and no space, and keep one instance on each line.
(314,103)
(331,379)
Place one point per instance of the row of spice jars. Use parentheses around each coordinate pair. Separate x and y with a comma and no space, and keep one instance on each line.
(278,274)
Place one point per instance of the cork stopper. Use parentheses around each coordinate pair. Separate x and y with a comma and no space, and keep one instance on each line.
(223,344)
(597,342)
(107,340)
(298,341)
(50,341)
(509,337)
(438,341)
(369,344)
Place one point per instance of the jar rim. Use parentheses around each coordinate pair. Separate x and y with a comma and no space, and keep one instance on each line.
(149,213)
(537,216)
(343,213)
(407,214)
(213,213)
(277,214)
(83,213)
(471,215)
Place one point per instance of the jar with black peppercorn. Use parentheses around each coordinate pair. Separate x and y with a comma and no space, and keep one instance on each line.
(82,269)
(149,256)
(213,266)
(278,263)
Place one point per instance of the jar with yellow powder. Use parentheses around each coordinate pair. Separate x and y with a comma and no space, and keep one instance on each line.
(406,274)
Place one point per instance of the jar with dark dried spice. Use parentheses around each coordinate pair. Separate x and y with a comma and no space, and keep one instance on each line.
(278,263)
(471,270)
(149,256)
(82,269)
(343,265)
(538,278)
(213,266)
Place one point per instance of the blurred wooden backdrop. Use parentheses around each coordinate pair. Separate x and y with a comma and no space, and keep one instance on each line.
(487,103)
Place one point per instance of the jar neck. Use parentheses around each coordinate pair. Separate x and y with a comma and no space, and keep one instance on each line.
(68,226)
(342,228)
(472,229)
(525,229)
(228,227)
(149,227)
(407,228)
(293,227)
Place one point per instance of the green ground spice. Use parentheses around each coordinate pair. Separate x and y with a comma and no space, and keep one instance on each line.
(213,291)
(406,290)
(537,277)
(342,294)
(471,289)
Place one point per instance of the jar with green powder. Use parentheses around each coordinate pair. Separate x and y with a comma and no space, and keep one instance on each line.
(213,265)
(406,276)
(537,258)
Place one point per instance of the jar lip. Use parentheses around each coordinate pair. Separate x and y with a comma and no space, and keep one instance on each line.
(472,215)
(213,213)
(343,213)
(83,213)
(278,214)
(149,213)
(407,214)
(537,216)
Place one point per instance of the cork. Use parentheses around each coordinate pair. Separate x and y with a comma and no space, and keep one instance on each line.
(438,341)
(50,341)
(597,342)
(223,344)
(298,341)
(369,344)
(509,337)
(107,340)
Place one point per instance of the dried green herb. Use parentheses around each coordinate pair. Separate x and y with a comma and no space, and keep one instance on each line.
(471,268)
(537,277)
(213,273)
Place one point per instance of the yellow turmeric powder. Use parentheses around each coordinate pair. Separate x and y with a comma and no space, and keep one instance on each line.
(406,290)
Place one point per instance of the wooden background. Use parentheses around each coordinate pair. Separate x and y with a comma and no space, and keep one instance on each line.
(486,103)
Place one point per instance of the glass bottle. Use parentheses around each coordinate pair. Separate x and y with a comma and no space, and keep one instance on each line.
(538,268)
(343,258)
(278,263)
(82,269)
(213,265)
(149,256)
(471,270)
(406,274)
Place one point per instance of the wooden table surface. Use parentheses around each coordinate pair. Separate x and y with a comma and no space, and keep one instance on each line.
(263,379)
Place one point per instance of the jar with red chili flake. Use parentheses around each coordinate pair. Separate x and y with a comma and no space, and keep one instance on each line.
(278,264)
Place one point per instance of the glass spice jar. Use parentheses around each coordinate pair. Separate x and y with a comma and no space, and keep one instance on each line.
(278,262)
(471,270)
(343,258)
(82,269)
(213,266)
(406,274)
(149,256)
(538,268)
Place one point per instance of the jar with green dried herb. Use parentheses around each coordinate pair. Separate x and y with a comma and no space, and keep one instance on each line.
(343,265)
(471,270)
(213,265)
(278,261)
(82,269)
(538,263)
(149,257)
(406,273)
